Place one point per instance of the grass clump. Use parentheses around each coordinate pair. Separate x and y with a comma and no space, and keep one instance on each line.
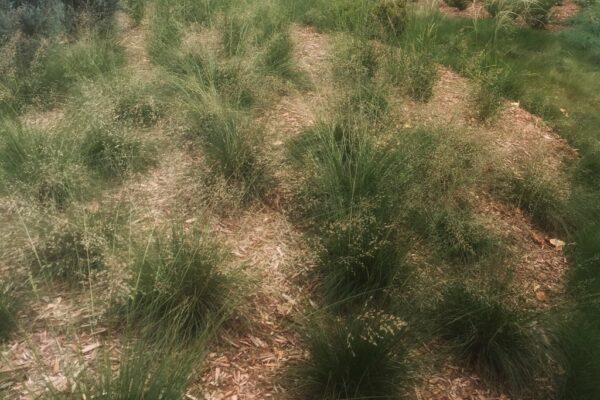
(112,151)
(138,109)
(43,74)
(455,233)
(414,68)
(43,165)
(348,199)
(541,196)
(235,35)
(391,17)
(179,286)
(346,168)
(69,253)
(8,320)
(460,4)
(278,57)
(232,146)
(580,345)
(160,373)
(360,259)
(354,358)
(504,346)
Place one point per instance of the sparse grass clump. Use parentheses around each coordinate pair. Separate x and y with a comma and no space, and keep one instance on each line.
(505,347)
(45,72)
(235,35)
(69,253)
(354,358)
(179,285)
(8,319)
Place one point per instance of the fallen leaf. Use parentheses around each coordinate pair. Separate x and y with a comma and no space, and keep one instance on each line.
(540,295)
(557,243)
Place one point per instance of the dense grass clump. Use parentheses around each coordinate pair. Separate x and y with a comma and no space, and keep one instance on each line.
(69,253)
(45,166)
(580,341)
(179,286)
(391,16)
(506,348)
(148,371)
(346,168)
(354,358)
(113,151)
(233,147)
(541,197)
(8,319)
(43,74)
(454,232)
(360,259)
(278,57)
(138,109)
(414,68)
(585,275)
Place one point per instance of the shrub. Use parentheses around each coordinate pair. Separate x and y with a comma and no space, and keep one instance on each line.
(503,346)
(178,285)
(354,358)
(8,319)
(113,151)
(360,258)
(460,4)
(70,253)
(391,17)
